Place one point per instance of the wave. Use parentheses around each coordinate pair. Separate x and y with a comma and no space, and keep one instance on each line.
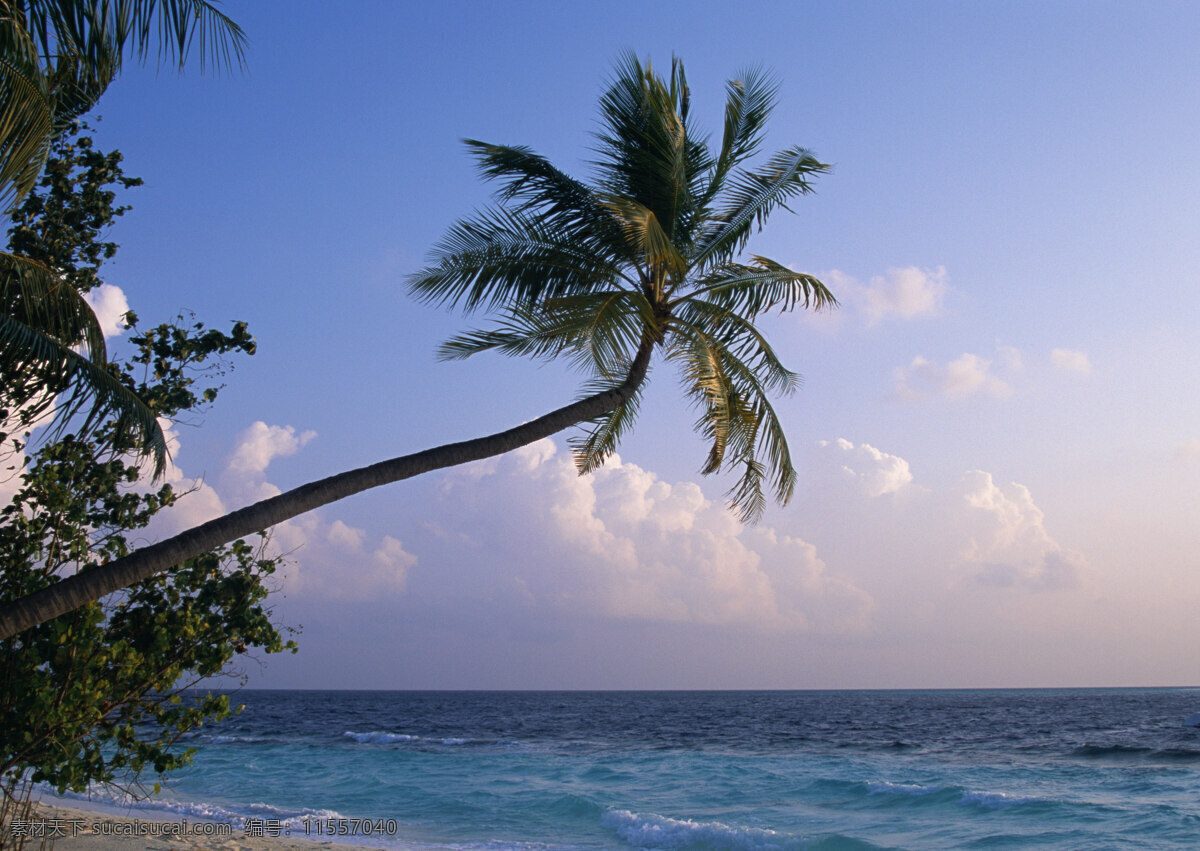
(998,800)
(294,818)
(655,831)
(378,737)
(237,740)
(938,795)
(382,737)
(882,787)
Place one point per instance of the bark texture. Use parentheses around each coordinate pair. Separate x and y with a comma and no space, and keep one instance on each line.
(83,588)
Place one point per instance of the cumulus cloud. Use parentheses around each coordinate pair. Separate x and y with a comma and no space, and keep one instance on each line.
(1071,360)
(623,543)
(260,443)
(110,306)
(324,559)
(967,375)
(1007,539)
(905,293)
(974,530)
(875,472)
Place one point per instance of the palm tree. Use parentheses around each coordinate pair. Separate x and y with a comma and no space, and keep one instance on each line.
(57,57)
(642,262)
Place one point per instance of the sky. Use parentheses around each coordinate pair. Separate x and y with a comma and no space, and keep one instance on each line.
(998,435)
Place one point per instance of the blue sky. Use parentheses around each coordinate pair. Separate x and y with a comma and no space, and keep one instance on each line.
(999,433)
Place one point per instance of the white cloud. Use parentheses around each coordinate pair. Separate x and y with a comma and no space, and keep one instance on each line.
(324,560)
(877,473)
(1071,360)
(260,443)
(109,304)
(622,543)
(905,293)
(1007,539)
(974,530)
(967,375)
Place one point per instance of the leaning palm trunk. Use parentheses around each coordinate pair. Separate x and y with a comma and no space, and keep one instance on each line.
(83,588)
(646,258)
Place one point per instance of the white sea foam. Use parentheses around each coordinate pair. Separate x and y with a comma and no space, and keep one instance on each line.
(994,800)
(378,737)
(654,831)
(882,787)
(111,799)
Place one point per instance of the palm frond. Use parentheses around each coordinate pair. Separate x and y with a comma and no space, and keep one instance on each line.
(34,367)
(604,434)
(77,85)
(644,234)
(646,152)
(738,335)
(533,185)
(26,110)
(748,104)
(504,258)
(736,416)
(759,286)
(599,330)
(32,294)
(102,32)
(753,195)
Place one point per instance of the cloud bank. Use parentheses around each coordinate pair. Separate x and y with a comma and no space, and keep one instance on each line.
(625,544)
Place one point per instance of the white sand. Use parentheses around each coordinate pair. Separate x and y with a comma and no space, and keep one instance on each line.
(87,830)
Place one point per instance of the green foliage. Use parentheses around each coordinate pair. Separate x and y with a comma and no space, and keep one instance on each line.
(99,695)
(644,258)
(57,246)
(76,693)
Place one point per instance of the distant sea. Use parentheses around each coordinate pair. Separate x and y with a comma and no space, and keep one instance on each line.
(697,770)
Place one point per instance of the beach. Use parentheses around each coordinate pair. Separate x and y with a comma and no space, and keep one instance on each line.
(74,829)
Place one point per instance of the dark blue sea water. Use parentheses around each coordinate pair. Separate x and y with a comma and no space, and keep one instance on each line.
(693,770)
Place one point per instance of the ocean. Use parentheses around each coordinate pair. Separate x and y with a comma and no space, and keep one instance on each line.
(1085,768)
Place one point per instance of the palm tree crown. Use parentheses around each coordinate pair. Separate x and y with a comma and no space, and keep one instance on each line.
(645,258)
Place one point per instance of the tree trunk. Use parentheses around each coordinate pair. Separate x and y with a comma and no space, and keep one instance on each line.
(83,588)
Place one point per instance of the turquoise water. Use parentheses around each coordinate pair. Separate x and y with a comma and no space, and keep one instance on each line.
(693,770)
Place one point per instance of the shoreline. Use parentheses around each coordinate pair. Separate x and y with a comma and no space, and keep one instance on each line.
(79,828)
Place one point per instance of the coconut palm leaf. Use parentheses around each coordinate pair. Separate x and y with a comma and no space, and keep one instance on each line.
(647,153)
(90,395)
(58,56)
(531,184)
(749,101)
(33,295)
(43,375)
(101,31)
(759,286)
(26,109)
(503,257)
(753,196)
(603,433)
(739,336)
